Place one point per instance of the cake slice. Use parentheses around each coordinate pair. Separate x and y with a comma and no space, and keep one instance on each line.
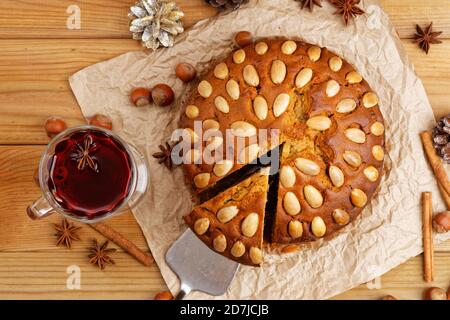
(232,222)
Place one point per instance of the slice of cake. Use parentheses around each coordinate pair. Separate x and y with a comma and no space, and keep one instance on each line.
(231,223)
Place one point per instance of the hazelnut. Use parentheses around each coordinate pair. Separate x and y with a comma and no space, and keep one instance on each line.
(164,295)
(389,297)
(185,71)
(102,121)
(435,293)
(162,95)
(140,97)
(441,222)
(243,38)
(54,126)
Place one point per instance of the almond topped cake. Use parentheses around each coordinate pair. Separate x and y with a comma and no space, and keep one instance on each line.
(328,127)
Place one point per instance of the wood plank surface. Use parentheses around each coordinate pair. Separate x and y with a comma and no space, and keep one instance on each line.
(28,19)
(37,55)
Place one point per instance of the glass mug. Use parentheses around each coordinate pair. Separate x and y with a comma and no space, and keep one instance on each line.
(89,174)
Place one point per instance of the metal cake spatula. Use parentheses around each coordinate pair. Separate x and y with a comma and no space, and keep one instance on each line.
(198,267)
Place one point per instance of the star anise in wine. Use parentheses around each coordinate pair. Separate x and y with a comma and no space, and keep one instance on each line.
(426,37)
(310,4)
(83,154)
(100,254)
(164,156)
(347,8)
(66,232)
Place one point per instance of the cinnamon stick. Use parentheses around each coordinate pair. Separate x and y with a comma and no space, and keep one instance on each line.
(445,196)
(427,237)
(435,162)
(124,243)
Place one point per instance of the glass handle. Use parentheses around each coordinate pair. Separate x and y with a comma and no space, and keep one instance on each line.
(39,209)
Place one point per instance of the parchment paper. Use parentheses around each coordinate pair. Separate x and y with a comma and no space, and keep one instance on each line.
(387,233)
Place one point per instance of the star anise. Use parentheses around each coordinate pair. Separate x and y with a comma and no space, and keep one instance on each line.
(347,8)
(426,37)
(164,156)
(66,232)
(100,254)
(83,154)
(310,4)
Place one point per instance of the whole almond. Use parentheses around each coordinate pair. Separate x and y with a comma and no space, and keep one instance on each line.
(288,47)
(201,226)
(192,111)
(352,158)
(303,77)
(210,124)
(318,227)
(295,229)
(256,255)
(378,152)
(249,225)
(341,217)
(287,176)
(377,128)
(226,214)
(307,166)
(353,77)
(370,100)
(260,107)
(314,53)
(313,196)
(221,104)
(221,71)
(239,56)
(336,176)
(205,89)
(346,105)
(220,243)
(332,88)
(261,48)
(371,173)
(358,198)
(335,63)
(243,129)
(320,123)
(238,249)
(280,104)
(278,71)
(222,167)
(291,204)
(250,75)
(233,90)
(355,135)
(202,180)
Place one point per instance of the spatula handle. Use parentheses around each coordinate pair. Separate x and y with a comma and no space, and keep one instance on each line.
(184,291)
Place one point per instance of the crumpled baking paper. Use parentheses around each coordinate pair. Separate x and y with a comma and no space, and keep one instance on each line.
(388,231)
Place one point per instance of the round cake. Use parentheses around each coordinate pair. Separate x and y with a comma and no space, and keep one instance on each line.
(330,133)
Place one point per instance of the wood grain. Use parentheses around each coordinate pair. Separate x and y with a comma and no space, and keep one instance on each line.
(34,73)
(28,19)
(38,54)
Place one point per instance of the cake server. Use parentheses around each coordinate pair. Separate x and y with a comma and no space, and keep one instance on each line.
(198,267)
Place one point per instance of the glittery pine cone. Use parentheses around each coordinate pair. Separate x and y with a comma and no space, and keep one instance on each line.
(226,4)
(155,22)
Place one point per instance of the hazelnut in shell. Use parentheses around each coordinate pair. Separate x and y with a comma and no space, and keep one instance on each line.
(243,38)
(100,120)
(435,293)
(441,222)
(162,95)
(140,97)
(164,295)
(185,72)
(54,125)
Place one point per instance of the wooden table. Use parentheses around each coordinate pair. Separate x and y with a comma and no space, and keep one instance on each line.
(37,55)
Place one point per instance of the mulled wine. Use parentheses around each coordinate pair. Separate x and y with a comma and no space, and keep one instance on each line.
(90,173)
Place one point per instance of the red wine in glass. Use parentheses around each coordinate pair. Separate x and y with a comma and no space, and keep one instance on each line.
(90,173)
